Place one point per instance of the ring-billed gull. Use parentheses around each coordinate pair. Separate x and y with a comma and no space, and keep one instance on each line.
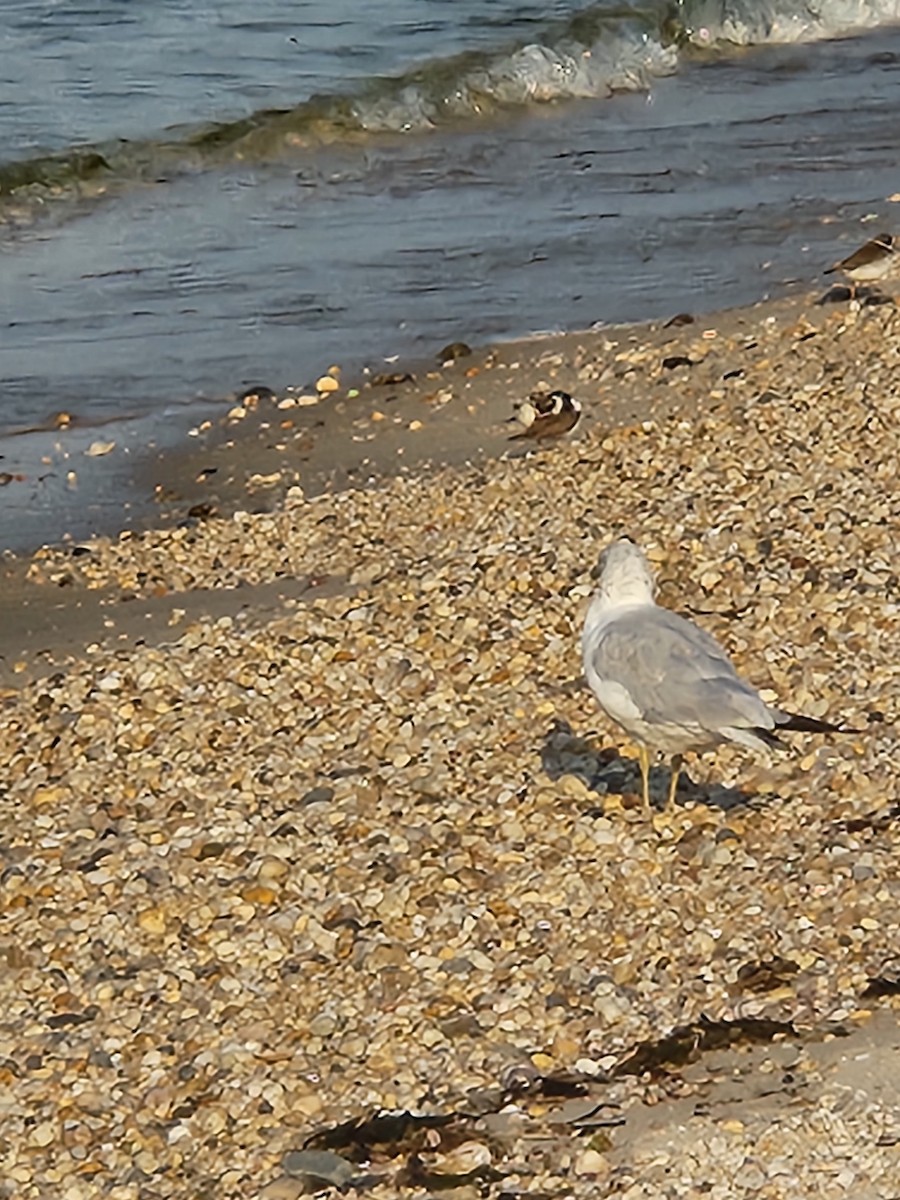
(667,682)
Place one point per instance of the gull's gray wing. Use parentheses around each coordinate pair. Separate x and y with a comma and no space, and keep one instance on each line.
(675,673)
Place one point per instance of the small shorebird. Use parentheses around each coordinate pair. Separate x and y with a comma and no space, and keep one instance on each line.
(547,415)
(667,682)
(878,259)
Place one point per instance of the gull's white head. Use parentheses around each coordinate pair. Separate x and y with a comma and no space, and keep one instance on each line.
(624,575)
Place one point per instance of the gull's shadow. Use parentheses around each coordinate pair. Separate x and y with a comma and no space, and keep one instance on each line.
(608,773)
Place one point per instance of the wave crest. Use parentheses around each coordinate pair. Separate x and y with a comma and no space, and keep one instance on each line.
(778,22)
(598,52)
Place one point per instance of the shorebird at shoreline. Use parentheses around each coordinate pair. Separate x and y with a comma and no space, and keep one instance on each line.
(664,680)
(876,260)
(546,415)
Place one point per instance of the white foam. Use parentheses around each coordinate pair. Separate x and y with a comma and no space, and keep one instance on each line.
(761,22)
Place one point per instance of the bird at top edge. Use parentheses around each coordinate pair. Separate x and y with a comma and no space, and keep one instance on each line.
(877,259)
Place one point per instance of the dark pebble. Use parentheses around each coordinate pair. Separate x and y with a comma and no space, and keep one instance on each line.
(454,351)
(318,795)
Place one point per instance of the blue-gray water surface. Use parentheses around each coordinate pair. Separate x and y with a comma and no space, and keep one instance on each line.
(200,196)
(85,72)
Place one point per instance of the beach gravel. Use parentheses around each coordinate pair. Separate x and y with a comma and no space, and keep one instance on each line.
(380,848)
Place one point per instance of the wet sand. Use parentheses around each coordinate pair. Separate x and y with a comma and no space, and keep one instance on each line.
(436,415)
(309,815)
(439,416)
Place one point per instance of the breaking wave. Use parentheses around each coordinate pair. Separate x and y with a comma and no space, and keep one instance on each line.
(597,53)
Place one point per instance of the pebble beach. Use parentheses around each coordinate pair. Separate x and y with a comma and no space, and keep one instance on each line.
(318,819)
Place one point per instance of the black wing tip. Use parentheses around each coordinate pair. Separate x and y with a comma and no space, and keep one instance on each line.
(797,723)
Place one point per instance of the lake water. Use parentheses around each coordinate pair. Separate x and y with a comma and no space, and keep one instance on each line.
(196,197)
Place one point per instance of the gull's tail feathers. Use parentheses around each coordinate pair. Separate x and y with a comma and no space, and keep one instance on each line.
(754,737)
(769,740)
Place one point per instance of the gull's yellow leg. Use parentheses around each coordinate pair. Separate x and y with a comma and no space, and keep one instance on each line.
(644,760)
(677,760)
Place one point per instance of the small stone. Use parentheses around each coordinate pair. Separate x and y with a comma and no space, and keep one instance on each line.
(258,894)
(272,868)
(152,920)
(464,1158)
(458,965)
(749,1176)
(49,795)
(318,795)
(588,1066)
(284,1188)
(323,1025)
(326,384)
(306,1104)
(43,1134)
(591,1162)
(575,787)
(319,1166)
(211,850)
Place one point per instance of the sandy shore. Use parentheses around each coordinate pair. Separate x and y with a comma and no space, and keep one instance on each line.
(308,814)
